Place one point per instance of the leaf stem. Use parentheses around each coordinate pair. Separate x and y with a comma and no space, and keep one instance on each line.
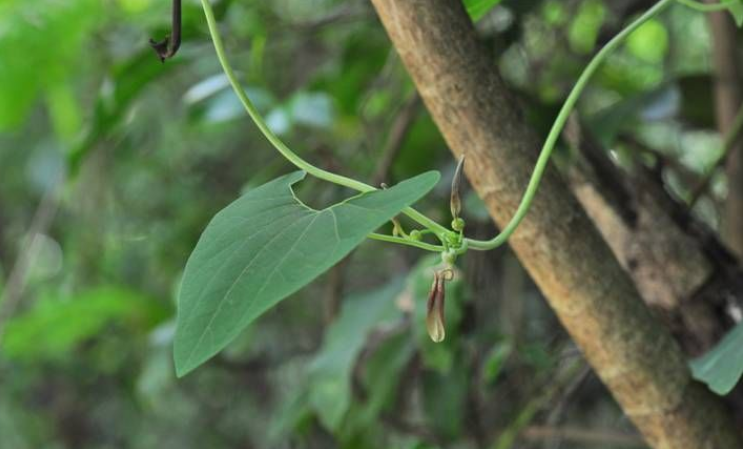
(559,124)
(408,242)
(282,148)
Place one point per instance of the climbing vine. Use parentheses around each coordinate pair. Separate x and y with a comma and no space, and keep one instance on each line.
(268,244)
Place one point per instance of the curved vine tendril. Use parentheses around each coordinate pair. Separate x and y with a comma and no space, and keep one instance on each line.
(446,236)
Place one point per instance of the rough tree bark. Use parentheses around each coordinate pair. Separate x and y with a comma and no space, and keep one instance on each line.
(728,99)
(565,255)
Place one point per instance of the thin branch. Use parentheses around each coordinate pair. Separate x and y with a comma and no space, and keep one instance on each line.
(729,144)
(399,131)
(542,400)
(42,221)
(561,403)
(594,437)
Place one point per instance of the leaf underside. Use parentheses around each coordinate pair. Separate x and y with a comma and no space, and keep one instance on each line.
(265,246)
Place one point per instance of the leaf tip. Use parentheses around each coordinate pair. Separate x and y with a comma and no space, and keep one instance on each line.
(181,368)
(184,360)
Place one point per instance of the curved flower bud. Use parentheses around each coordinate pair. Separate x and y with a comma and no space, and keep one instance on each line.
(435,318)
(456,203)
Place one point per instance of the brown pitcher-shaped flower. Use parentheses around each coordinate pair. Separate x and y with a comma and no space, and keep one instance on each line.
(435,317)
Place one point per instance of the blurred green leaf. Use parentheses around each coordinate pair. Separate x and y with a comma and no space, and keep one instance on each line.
(44,41)
(126,81)
(554,12)
(265,246)
(290,413)
(478,8)
(444,397)
(586,26)
(382,374)
(649,42)
(312,109)
(56,325)
(12,420)
(212,101)
(722,367)
(156,374)
(537,355)
(134,6)
(64,111)
(330,371)
(654,104)
(495,360)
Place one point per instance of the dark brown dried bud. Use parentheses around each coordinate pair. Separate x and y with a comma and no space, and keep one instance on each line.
(456,202)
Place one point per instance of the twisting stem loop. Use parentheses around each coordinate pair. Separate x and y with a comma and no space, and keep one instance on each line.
(559,124)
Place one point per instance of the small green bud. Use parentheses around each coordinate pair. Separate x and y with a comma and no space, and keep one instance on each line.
(456,202)
(416,235)
(457,224)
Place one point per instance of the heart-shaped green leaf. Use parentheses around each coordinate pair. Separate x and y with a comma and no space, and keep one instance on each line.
(721,368)
(264,247)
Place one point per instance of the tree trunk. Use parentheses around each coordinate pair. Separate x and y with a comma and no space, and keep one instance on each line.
(728,98)
(557,243)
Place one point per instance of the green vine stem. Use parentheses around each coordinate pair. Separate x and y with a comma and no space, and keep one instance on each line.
(440,231)
(559,124)
(292,157)
(408,242)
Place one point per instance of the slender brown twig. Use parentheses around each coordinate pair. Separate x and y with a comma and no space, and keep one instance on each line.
(396,137)
(584,436)
(168,47)
(43,218)
(729,143)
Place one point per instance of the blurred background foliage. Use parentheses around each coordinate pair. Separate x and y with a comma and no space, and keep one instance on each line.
(119,161)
